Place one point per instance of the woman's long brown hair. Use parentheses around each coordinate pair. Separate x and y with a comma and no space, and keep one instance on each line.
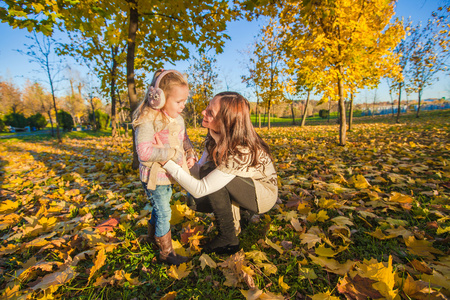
(236,129)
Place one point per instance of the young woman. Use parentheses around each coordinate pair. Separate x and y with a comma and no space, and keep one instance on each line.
(236,166)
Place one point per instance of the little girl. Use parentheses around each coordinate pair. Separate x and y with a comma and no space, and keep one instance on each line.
(158,118)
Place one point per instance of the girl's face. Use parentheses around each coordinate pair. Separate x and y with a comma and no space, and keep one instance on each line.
(210,113)
(176,101)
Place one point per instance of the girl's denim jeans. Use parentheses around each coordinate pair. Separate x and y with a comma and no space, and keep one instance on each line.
(161,213)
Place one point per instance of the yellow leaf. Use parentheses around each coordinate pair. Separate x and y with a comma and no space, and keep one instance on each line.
(438,279)
(206,260)
(8,206)
(400,198)
(296,224)
(310,239)
(341,220)
(421,247)
(169,296)
(306,273)
(179,272)
(359,182)
(321,216)
(332,265)
(324,296)
(252,294)
(99,262)
(274,246)
(282,284)
(380,235)
(324,251)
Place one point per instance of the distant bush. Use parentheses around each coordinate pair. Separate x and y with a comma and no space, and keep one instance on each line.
(15,120)
(65,120)
(2,125)
(37,120)
(323,113)
(101,118)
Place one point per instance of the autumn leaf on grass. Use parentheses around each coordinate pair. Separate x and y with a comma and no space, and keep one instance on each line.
(179,272)
(192,236)
(399,231)
(438,279)
(324,251)
(252,294)
(421,266)
(258,258)
(235,270)
(341,220)
(169,296)
(98,263)
(321,216)
(287,215)
(418,289)
(257,294)
(310,239)
(359,182)
(296,224)
(324,296)
(8,220)
(441,230)
(332,265)
(282,284)
(8,206)
(382,273)
(358,287)
(328,203)
(55,279)
(206,260)
(8,249)
(273,245)
(179,212)
(304,272)
(404,200)
(422,248)
(380,235)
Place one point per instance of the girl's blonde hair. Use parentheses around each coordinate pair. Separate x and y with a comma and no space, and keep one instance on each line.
(166,83)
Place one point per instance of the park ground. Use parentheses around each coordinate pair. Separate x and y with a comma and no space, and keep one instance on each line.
(368,220)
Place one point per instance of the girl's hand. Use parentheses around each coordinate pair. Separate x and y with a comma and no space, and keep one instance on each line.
(157,142)
(191,162)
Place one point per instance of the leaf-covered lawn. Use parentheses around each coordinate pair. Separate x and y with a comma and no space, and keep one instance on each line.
(368,220)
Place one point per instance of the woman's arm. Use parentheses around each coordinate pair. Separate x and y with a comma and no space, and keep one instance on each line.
(211,183)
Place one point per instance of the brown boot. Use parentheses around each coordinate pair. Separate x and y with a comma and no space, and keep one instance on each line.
(166,252)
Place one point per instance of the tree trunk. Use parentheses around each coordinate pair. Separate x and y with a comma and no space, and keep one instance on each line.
(329,109)
(399,102)
(342,123)
(305,112)
(54,104)
(132,30)
(114,51)
(268,117)
(258,113)
(419,94)
(49,112)
(292,112)
(350,117)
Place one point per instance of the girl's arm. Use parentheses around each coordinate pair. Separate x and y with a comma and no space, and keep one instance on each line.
(145,145)
(211,183)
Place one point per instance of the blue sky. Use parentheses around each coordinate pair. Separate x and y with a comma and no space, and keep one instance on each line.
(230,63)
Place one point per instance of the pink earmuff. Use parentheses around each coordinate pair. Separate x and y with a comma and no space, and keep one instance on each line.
(156,97)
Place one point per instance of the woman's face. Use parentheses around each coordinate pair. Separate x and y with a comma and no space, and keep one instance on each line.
(176,100)
(210,113)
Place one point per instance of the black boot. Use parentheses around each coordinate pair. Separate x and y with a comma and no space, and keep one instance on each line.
(226,242)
